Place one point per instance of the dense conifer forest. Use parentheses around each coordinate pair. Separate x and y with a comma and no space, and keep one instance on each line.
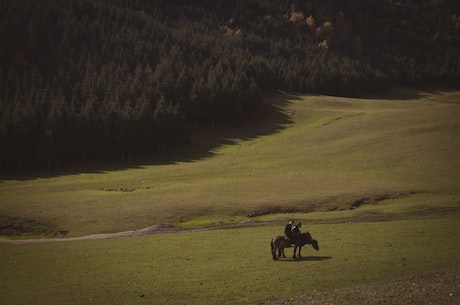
(86,80)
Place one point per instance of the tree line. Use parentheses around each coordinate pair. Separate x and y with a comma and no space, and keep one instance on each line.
(84,80)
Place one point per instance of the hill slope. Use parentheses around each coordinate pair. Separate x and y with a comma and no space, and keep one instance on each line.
(332,153)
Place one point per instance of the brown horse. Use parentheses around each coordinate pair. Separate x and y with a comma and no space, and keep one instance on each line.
(298,241)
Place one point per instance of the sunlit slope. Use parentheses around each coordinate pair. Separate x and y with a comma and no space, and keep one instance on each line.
(340,148)
(335,151)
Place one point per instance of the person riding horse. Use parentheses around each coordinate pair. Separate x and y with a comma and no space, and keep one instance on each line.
(288,232)
(291,230)
(296,228)
(292,238)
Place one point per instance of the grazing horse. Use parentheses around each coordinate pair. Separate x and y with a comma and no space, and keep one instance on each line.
(299,240)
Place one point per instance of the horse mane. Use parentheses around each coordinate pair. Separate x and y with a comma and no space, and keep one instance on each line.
(304,237)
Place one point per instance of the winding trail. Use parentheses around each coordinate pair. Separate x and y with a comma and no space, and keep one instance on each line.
(164,228)
(156,229)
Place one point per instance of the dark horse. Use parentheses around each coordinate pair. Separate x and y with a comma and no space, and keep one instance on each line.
(298,241)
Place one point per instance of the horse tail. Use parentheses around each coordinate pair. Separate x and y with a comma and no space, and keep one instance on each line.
(272,246)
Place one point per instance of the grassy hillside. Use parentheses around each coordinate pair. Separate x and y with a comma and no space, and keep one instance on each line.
(313,153)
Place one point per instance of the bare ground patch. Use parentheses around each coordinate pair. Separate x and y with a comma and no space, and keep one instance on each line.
(332,204)
(431,288)
(18,226)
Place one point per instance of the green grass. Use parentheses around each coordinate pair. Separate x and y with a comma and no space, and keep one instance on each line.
(232,266)
(328,153)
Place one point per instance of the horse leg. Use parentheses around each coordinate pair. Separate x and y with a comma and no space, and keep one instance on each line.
(298,254)
(295,249)
(281,252)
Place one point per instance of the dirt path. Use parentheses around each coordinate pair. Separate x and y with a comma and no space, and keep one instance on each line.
(168,228)
(162,228)
(156,229)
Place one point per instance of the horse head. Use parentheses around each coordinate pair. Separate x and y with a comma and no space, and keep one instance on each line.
(315,245)
(310,240)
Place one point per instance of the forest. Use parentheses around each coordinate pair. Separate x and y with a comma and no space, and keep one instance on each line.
(85,81)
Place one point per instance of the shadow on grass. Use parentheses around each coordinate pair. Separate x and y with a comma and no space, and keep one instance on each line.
(203,139)
(202,142)
(306,258)
(408,93)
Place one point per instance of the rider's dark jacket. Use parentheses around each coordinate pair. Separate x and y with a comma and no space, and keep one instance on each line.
(288,231)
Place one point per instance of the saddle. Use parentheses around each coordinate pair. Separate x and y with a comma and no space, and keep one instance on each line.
(289,241)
